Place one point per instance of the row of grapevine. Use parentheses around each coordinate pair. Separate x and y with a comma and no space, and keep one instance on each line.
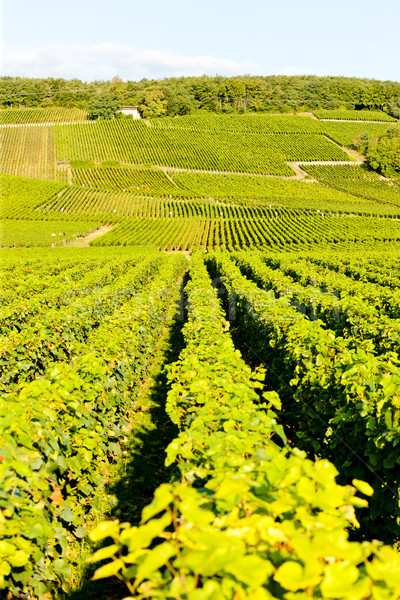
(306,193)
(247,123)
(340,399)
(43,151)
(242,224)
(386,275)
(75,200)
(47,330)
(284,228)
(22,195)
(353,115)
(42,233)
(25,116)
(302,147)
(328,274)
(144,181)
(57,286)
(249,517)
(133,142)
(30,152)
(358,181)
(67,396)
(344,133)
(347,315)
(230,233)
(355,187)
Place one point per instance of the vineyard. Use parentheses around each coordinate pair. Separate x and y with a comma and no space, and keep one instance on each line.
(359,182)
(307,340)
(204,403)
(281,228)
(353,115)
(41,115)
(20,232)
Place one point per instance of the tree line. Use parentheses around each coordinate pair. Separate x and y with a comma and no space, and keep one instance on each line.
(383,152)
(186,95)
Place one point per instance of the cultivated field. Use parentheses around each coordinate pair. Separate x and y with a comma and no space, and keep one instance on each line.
(205,402)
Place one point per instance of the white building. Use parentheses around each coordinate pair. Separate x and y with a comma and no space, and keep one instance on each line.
(130,110)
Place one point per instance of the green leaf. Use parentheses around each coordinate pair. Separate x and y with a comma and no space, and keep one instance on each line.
(67,515)
(5,568)
(141,537)
(80,532)
(62,568)
(273,399)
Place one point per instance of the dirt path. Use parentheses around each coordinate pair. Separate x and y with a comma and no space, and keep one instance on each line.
(170,178)
(82,242)
(357,121)
(354,154)
(300,174)
(307,114)
(208,172)
(328,163)
(187,253)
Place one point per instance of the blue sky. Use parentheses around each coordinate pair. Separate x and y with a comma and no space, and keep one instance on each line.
(97,39)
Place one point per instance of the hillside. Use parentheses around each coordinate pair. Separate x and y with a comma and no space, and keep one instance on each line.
(236,181)
(203,403)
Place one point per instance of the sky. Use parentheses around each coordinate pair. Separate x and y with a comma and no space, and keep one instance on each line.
(99,39)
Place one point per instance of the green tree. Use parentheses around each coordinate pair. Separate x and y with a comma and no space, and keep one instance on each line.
(153,104)
(118,87)
(383,154)
(104,105)
(362,142)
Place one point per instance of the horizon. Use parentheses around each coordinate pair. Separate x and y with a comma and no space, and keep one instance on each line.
(240,75)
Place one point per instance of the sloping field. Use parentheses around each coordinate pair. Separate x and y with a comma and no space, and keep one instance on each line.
(204,403)
(359,181)
(354,115)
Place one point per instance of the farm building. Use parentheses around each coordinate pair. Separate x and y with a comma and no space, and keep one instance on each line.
(130,110)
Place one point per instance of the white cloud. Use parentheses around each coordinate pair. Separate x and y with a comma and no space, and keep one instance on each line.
(301,71)
(103,61)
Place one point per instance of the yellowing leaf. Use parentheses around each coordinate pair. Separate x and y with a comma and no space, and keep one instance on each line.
(293,577)
(154,560)
(363,487)
(103,553)
(338,580)
(104,529)
(108,570)
(56,496)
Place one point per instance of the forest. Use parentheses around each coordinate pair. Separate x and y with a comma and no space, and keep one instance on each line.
(187,95)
